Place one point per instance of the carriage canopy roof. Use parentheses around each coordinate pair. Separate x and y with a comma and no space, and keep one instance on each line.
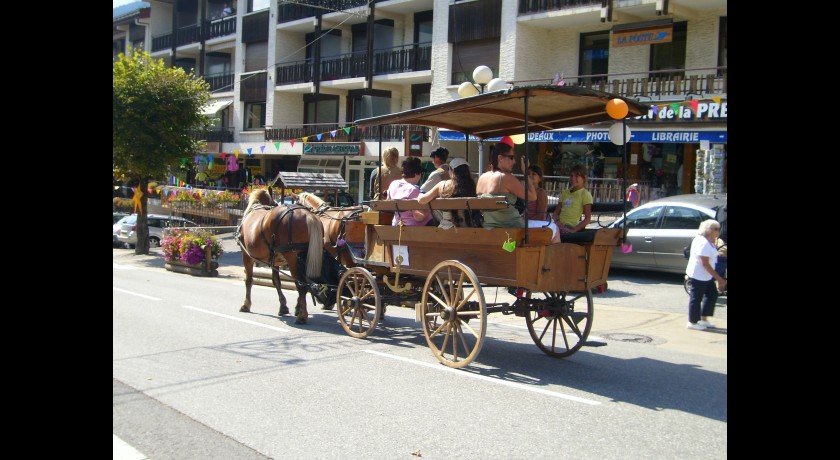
(310,181)
(502,113)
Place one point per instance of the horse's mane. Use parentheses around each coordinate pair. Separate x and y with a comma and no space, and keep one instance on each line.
(259,196)
(311,200)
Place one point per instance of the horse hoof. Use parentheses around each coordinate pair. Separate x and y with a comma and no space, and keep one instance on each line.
(284,311)
(245,309)
(300,321)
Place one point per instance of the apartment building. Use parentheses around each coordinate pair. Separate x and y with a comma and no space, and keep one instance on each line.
(289,78)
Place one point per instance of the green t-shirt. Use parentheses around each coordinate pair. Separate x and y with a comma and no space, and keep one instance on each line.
(572,204)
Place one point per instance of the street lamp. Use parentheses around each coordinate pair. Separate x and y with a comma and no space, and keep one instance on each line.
(483,77)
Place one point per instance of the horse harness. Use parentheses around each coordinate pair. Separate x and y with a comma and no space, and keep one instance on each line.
(272,248)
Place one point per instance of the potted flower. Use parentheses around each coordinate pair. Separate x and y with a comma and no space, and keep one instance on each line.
(192,251)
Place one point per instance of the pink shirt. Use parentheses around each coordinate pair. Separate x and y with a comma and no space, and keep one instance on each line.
(401,190)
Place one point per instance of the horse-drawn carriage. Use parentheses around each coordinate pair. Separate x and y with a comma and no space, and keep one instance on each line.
(443,272)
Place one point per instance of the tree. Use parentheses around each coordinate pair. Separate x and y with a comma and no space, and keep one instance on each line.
(155,107)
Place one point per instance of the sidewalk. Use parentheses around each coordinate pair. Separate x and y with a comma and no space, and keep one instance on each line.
(612,322)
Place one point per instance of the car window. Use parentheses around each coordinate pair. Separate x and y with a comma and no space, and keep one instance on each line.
(644,218)
(680,218)
(155,223)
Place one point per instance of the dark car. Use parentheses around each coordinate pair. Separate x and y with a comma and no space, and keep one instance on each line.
(344,199)
(660,229)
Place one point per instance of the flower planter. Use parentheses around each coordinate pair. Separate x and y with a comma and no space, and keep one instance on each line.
(207,267)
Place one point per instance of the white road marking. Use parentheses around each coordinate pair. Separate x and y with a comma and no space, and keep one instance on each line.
(519,386)
(124,267)
(138,295)
(123,451)
(273,328)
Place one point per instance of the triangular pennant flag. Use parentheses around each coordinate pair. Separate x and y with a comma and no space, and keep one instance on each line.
(716,99)
(363,129)
(277,146)
(694,105)
(249,151)
(224,155)
(305,139)
(675,106)
(655,111)
(262,148)
(347,130)
(332,133)
(236,154)
(319,136)
(183,161)
(292,141)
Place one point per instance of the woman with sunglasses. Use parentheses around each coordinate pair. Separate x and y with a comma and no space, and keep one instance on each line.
(500,181)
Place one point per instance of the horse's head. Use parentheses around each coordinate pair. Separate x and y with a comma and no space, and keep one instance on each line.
(260,196)
(310,200)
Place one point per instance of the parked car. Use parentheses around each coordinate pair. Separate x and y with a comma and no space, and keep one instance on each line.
(119,219)
(660,229)
(128,231)
(344,199)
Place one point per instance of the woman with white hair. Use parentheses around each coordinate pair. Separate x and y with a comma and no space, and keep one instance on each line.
(702,292)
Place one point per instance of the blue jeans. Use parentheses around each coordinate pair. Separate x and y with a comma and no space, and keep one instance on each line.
(702,296)
(720,266)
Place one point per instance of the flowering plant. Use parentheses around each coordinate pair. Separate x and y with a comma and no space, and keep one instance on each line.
(182,197)
(211,200)
(188,245)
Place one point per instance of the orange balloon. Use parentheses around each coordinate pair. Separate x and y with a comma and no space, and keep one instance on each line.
(617,108)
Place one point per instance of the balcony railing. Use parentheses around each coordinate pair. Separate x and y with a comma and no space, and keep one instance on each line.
(389,133)
(537,6)
(289,11)
(293,72)
(406,58)
(653,85)
(351,65)
(220,81)
(219,135)
(196,33)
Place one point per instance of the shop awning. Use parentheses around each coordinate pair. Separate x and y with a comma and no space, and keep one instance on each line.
(215,105)
(591,135)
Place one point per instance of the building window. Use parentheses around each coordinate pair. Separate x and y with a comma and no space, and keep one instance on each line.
(421,95)
(367,103)
(468,55)
(256,5)
(423,27)
(254,116)
(668,56)
(320,109)
(383,36)
(722,46)
(594,56)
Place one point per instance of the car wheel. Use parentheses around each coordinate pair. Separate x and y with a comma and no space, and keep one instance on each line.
(154,241)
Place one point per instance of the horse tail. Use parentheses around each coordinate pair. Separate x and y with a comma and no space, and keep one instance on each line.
(314,258)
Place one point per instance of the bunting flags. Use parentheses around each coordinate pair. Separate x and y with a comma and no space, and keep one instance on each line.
(262,148)
(277,146)
(292,141)
(249,152)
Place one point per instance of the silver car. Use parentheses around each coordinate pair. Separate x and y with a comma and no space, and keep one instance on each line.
(660,229)
(128,232)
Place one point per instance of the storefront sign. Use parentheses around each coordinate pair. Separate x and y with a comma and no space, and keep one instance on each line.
(643,36)
(667,136)
(333,148)
(414,143)
(706,111)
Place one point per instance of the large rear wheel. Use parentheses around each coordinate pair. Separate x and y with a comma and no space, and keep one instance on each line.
(453,313)
(561,324)
(359,302)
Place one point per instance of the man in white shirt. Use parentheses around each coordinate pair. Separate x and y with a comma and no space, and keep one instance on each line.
(439,156)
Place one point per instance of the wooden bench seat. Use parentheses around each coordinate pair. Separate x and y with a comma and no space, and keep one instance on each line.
(471,203)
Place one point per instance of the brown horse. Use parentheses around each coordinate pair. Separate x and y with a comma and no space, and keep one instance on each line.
(335,222)
(267,230)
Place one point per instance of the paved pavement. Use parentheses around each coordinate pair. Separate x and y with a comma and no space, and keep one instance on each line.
(617,318)
(614,320)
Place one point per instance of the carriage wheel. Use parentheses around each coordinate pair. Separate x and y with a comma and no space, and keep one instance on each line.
(453,313)
(563,327)
(358,302)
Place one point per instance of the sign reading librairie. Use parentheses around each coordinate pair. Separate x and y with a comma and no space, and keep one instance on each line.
(332,148)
